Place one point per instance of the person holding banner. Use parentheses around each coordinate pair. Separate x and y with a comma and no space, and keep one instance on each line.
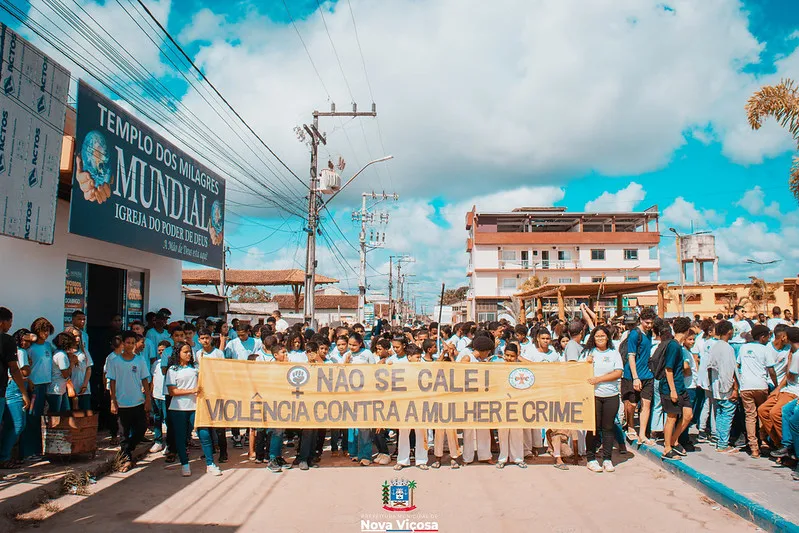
(400,357)
(182,379)
(477,440)
(608,367)
(511,441)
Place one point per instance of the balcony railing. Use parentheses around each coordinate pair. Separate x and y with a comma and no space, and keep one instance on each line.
(538,265)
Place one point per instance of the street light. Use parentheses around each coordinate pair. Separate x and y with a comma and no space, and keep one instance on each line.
(386,158)
(762,264)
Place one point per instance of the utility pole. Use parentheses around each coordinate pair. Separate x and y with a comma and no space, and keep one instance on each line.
(367,217)
(223,281)
(309,307)
(390,287)
(405,258)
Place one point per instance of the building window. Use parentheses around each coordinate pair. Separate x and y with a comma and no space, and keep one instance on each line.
(509,255)
(597,255)
(653,252)
(596,279)
(564,255)
(564,280)
(510,283)
(653,276)
(631,254)
(486,317)
(630,278)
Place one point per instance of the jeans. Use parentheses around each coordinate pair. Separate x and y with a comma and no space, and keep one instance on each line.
(159,412)
(335,436)
(789,437)
(791,418)
(134,424)
(170,431)
(658,418)
(58,403)
(221,440)
(182,424)
(606,409)
(697,406)
(307,445)
(276,443)
(31,441)
(352,442)
(380,439)
(365,444)
(725,411)
(13,425)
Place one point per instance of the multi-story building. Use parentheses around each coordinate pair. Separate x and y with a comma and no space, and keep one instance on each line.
(506,249)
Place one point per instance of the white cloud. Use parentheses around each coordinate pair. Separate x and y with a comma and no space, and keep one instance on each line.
(683,214)
(624,200)
(753,201)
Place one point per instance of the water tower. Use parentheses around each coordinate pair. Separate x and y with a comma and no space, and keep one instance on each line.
(699,252)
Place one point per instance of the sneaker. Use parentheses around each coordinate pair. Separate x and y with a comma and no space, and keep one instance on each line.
(213,470)
(185,470)
(593,466)
(304,465)
(689,447)
(702,438)
(365,462)
(157,447)
(679,450)
(171,458)
(222,459)
(782,452)
(283,463)
(259,461)
(273,466)
(237,441)
(795,475)
(383,459)
(607,466)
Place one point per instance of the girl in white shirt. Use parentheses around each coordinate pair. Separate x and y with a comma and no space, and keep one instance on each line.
(400,357)
(57,398)
(608,366)
(81,373)
(181,380)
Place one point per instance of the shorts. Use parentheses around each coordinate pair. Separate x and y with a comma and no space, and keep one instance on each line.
(671,408)
(629,394)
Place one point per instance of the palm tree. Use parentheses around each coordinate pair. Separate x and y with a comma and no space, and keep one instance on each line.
(411,486)
(780,101)
(760,293)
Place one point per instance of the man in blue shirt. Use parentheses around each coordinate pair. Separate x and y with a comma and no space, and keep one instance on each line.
(674,397)
(637,382)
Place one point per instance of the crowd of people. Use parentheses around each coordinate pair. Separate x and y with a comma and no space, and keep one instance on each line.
(653,379)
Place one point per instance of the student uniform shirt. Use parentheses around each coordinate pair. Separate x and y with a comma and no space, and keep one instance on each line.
(158,380)
(128,376)
(526,349)
(363,357)
(236,349)
(739,327)
(536,356)
(201,354)
(79,371)
(674,361)
(774,322)
(640,345)
(753,360)
(792,386)
(58,383)
(156,337)
(395,360)
(182,377)
(691,380)
(266,357)
(780,358)
(603,363)
(297,357)
(573,351)
(702,379)
(41,356)
(722,366)
(334,356)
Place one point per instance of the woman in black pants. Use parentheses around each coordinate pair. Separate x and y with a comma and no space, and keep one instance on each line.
(608,368)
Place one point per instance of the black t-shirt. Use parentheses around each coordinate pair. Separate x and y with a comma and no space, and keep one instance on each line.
(8,354)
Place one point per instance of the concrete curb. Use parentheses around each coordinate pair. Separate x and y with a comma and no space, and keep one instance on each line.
(29,499)
(729,498)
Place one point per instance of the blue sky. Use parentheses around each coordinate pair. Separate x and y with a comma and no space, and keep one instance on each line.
(618,105)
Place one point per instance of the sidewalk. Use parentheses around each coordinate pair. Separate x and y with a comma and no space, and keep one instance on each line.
(22,489)
(759,490)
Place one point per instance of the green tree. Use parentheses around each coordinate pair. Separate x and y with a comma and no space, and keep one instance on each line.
(385,492)
(250,295)
(780,101)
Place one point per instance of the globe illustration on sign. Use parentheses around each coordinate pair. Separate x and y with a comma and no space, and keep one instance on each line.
(94,154)
(216,216)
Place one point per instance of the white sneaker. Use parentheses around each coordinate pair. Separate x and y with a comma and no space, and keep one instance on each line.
(382,459)
(157,447)
(214,470)
(185,470)
(593,466)
(608,466)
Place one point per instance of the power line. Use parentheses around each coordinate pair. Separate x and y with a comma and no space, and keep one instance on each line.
(307,52)
(335,52)
(202,75)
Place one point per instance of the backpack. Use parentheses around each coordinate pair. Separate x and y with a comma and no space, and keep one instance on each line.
(623,348)
(657,362)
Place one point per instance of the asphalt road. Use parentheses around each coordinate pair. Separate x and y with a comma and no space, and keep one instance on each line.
(639,497)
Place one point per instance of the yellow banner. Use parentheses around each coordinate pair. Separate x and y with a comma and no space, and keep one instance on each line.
(414,395)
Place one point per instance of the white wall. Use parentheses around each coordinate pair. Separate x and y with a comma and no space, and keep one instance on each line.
(34,274)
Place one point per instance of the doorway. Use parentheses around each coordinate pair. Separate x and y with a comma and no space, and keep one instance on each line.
(105,297)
